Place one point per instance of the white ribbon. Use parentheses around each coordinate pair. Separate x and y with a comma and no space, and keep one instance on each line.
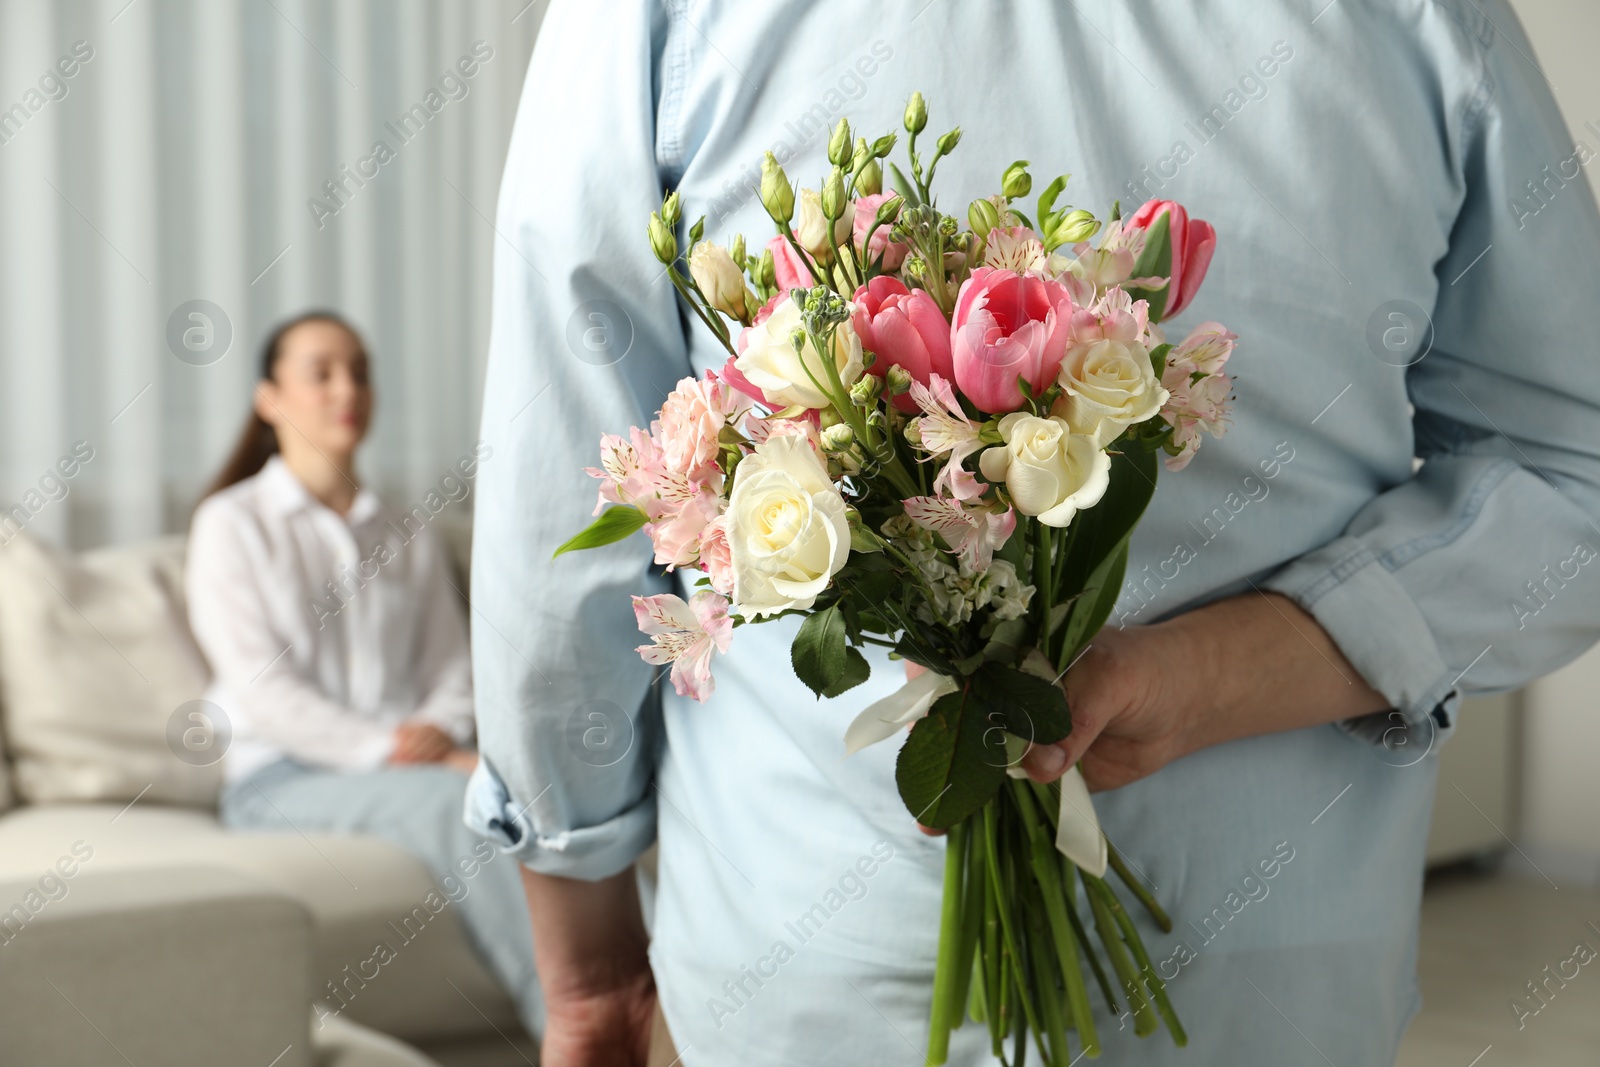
(1078,835)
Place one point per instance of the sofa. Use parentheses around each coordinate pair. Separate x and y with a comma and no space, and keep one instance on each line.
(133,927)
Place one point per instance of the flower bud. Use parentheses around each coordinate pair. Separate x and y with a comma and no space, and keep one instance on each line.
(671,210)
(865,392)
(1016,182)
(737,251)
(898,379)
(777,195)
(947,225)
(662,241)
(697,231)
(840,437)
(916,117)
(839,143)
(719,279)
(889,210)
(833,194)
(869,179)
(813,224)
(883,145)
(863,152)
(1075,226)
(948,142)
(767,271)
(983,216)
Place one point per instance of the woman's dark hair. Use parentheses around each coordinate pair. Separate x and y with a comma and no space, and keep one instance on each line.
(259,442)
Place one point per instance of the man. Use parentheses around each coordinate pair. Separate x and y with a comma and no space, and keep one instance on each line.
(1411,275)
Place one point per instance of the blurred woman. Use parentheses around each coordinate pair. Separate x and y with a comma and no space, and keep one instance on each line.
(338,646)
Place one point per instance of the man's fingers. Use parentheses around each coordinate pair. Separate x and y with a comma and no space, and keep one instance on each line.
(1045,763)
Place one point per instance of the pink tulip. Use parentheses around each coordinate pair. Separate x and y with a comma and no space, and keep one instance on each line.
(904,328)
(893,252)
(788,266)
(1008,326)
(1193,242)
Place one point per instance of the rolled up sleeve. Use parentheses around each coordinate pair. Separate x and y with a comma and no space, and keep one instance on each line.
(1481,572)
(586,339)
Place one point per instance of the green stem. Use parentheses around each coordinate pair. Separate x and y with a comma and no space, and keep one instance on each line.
(997,887)
(973,895)
(945,1013)
(1043,585)
(993,973)
(1045,984)
(1152,980)
(1162,919)
(1144,1019)
(1070,884)
(1048,874)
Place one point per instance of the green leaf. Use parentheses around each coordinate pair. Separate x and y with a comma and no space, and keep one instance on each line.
(1031,707)
(1092,610)
(1155,262)
(1093,570)
(1158,359)
(1100,529)
(819,650)
(952,764)
(903,186)
(611,525)
(1047,199)
(856,671)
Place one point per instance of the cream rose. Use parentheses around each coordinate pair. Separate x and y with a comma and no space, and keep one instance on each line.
(720,279)
(1049,471)
(767,358)
(788,533)
(811,226)
(1110,385)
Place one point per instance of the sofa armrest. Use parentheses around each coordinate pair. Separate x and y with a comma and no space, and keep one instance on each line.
(174,965)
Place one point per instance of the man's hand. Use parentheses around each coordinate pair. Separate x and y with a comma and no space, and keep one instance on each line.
(1143,696)
(590,945)
(420,742)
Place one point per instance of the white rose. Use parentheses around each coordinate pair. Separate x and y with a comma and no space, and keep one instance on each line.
(788,533)
(769,360)
(720,279)
(1109,385)
(811,227)
(1049,471)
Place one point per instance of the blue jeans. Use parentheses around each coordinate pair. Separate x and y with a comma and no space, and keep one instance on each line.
(418,809)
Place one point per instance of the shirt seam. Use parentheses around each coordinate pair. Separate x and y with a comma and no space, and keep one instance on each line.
(1471,508)
(674,76)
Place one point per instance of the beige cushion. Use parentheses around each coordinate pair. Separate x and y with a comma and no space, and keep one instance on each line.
(354,887)
(95,661)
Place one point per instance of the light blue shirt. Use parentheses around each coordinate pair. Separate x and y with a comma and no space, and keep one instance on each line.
(1371,166)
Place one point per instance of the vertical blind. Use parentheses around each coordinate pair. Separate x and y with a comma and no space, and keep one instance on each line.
(177,175)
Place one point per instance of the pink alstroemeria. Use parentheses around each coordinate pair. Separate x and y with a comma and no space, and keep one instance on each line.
(685,635)
(973,533)
(1014,248)
(945,430)
(1116,316)
(1198,389)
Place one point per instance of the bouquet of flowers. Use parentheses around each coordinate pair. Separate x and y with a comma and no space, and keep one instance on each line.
(936,439)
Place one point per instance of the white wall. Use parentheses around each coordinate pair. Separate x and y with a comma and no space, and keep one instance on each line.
(1560,824)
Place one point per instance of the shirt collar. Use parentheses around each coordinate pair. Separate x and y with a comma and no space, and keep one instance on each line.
(286,494)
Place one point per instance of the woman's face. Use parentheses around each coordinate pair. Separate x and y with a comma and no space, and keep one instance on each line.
(319,393)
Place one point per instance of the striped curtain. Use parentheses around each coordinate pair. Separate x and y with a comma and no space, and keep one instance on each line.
(176,175)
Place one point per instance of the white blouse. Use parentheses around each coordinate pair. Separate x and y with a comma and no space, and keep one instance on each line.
(324,632)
